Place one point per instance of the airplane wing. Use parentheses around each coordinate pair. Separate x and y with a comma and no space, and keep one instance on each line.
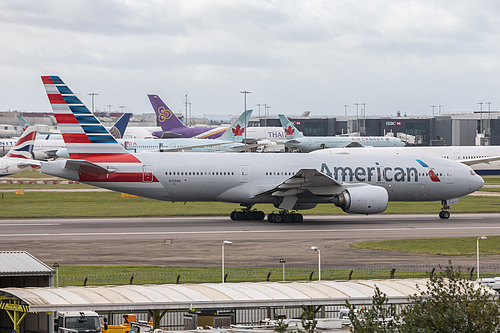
(305,180)
(87,167)
(475,161)
(28,163)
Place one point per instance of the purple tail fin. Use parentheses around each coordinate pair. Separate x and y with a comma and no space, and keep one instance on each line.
(166,118)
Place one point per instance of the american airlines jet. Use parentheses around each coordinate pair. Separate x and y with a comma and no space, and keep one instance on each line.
(357,184)
(310,143)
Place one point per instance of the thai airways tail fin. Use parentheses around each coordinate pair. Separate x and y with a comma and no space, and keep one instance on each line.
(166,118)
(237,130)
(291,132)
(120,126)
(24,146)
(84,135)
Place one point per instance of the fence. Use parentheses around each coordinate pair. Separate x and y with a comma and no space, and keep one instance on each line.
(211,275)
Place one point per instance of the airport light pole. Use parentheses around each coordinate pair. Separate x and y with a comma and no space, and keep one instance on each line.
(244,92)
(56,266)
(315,248)
(433,107)
(92,94)
(357,116)
(224,243)
(283,261)
(480,117)
(345,109)
(477,253)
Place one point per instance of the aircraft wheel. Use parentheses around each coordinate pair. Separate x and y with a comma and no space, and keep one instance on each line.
(287,218)
(297,218)
(278,218)
(233,215)
(270,218)
(444,214)
(239,216)
(259,215)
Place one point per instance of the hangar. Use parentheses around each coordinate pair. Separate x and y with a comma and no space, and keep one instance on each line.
(158,300)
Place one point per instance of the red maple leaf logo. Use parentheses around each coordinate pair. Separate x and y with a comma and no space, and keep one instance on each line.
(289,130)
(238,130)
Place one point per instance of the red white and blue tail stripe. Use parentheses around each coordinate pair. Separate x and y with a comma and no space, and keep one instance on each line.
(24,146)
(83,133)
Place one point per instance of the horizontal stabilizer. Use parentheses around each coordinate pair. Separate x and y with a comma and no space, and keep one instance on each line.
(83,166)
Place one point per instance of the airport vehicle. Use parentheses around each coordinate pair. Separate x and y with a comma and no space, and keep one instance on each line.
(297,140)
(484,160)
(19,158)
(79,321)
(356,183)
(172,127)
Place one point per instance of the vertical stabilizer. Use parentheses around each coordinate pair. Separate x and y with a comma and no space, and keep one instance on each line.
(291,132)
(84,135)
(165,117)
(237,130)
(24,146)
(120,126)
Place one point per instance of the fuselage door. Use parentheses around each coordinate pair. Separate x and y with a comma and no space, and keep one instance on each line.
(147,174)
(244,173)
(449,175)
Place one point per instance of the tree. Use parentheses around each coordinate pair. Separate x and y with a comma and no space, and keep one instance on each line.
(448,304)
(380,317)
(452,304)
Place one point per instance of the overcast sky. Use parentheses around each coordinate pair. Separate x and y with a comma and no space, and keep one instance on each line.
(315,55)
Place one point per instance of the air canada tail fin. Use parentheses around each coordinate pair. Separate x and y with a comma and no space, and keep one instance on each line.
(120,126)
(24,146)
(84,135)
(165,117)
(23,122)
(237,130)
(291,132)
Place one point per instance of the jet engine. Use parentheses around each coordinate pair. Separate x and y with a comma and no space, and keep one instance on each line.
(363,200)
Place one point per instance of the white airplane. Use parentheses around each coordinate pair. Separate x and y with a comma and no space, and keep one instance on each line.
(484,160)
(356,183)
(310,143)
(19,158)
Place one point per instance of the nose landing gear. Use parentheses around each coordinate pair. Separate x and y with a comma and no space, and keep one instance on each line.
(444,213)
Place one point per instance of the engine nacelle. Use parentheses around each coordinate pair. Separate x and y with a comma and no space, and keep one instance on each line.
(39,155)
(363,200)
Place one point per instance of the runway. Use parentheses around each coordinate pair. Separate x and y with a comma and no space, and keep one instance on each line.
(196,241)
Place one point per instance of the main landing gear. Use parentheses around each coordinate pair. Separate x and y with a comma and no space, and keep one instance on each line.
(444,213)
(247,214)
(285,217)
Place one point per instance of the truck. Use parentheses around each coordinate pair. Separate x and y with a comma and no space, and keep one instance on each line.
(77,321)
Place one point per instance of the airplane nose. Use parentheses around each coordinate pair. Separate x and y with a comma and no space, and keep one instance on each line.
(477,182)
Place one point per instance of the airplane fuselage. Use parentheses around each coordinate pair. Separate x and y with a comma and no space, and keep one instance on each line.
(245,178)
(313,143)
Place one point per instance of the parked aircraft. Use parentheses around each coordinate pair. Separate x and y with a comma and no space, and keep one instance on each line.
(484,160)
(230,141)
(297,140)
(19,158)
(356,183)
(172,127)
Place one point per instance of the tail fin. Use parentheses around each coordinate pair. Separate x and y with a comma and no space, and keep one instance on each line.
(291,132)
(120,126)
(24,146)
(23,122)
(237,131)
(166,118)
(83,134)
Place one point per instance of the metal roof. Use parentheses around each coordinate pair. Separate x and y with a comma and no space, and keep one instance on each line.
(211,295)
(16,263)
